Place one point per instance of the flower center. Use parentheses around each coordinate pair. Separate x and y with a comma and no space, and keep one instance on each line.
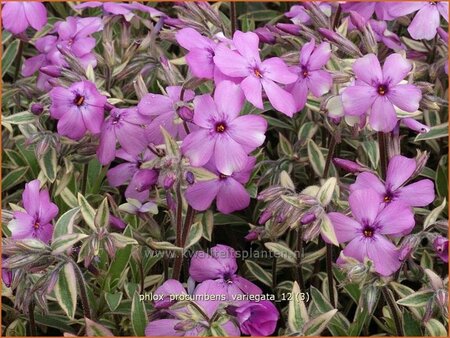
(115,118)
(79,100)
(382,89)
(221,127)
(36,225)
(368,232)
(223,177)
(257,73)
(305,72)
(228,278)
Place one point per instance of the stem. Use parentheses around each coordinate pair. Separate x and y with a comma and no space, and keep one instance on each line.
(179,224)
(141,272)
(18,60)
(329,261)
(336,17)
(84,179)
(392,308)
(299,271)
(233,17)
(33,331)
(383,153)
(274,273)
(83,292)
(184,236)
(331,148)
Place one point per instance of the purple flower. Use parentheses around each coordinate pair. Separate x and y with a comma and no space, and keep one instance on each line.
(427,19)
(140,180)
(228,190)
(299,15)
(246,63)
(7,277)
(378,90)
(440,245)
(366,231)
(223,134)
(400,169)
(184,321)
(311,77)
(367,8)
(124,126)
(382,34)
(124,9)
(257,318)
(165,111)
(221,267)
(35,222)
(78,108)
(18,15)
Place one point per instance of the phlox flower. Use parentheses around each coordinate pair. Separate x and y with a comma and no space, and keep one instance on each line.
(220,265)
(257,318)
(35,222)
(367,8)
(126,127)
(185,321)
(440,245)
(400,169)
(124,9)
(77,109)
(426,21)
(388,38)
(228,190)
(366,231)
(299,15)
(245,63)
(17,16)
(165,110)
(311,77)
(223,135)
(378,90)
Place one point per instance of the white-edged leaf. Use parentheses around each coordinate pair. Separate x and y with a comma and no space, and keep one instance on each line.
(195,233)
(435,328)
(281,251)
(64,225)
(87,211)
(316,158)
(327,229)
(297,314)
(138,316)
(94,329)
(101,219)
(66,290)
(417,299)
(64,242)
(259,273)
(315,326)
(434,214)
(325,193)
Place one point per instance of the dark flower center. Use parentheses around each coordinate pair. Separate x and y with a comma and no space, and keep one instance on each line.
(221,127)
(368,232)
(115,118)
(228,278)
(79,100)
(382,89)
(223,177)
(305,72)
(257,73)
(36,225)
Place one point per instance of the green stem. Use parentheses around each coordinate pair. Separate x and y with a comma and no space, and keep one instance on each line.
(393,309)
(233,17)
(83,291)
(33,331)
(331,148)
(383,153)
(18,60)
(299,271)
(329,262)
(274,273)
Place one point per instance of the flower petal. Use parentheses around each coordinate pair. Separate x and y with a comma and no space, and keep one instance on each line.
(356,248)
(106,151)
(229,99)
(396,218)
(299,91)
(246,286)
(319,82)
(189,39)
(417,194)
(395,68)
(405,96)
(121,174)
(203,267)
(201,63)
(198,146)
(384,254)
(230,62)
(383,116)
(30,197)
(232,196)
(226,256)
(320,56)
(367,180)
(365,204)
(229,155)
(251,86)
(21,226)
(358,99)
(306,52)
(280,99)
(155,104)
(205,111)
(345,227)
(201,194)
(247,45)
(163,327)
(425,23)
(249,130)
(368,69)
(400,168)
(276,70)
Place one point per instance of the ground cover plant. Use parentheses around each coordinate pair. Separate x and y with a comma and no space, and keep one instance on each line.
(212,169)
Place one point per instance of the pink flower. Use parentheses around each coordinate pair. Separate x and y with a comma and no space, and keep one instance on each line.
(124,9)
(246,63)
(400,169)
(299,15)
(18,15)
(257,318)
(35,222)
(223,134)
(426,21)
(378,90)
(440,245)
(125,126)
(165,111)
(367,8)
(366,231)
(228,190)
(78,108)
(311,77)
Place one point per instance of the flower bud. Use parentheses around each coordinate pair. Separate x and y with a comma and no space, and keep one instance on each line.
(190,178)
(186,114)
(348,165)
(116,222)
(254,234)
(341,42)
(169,180)
(265,35)
(316,14)
(308,217)
(265,216)
(185,325)
(288,28)
(357,20)
(415,125)
(421,161)
(370,297)
(440,245)
(441,297)
(37,108)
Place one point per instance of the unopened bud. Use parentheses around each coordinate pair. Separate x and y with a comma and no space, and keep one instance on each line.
(37,108)
(341,42)
(421,161)
(254,234)
(288,28)
(370,297)
(415,125)
(307,218)
(53,71)
(441,297)
(116,222)
(265,35)
(190,178)
(186,114)
(348,165)
(316,14)
(185,325)
(265,216)
(357,20)
(169,180)
(428,102)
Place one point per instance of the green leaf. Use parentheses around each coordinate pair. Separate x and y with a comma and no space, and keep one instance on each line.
(121,240)
(259,273)
(113,299)
(195,233)
(441,130)
(55,321)
(87,211)
(441,179)
(326,191)
(13,178)
(138,316)
(281,251)
(434,214)
(307,131)
(327,229)
(260,15)
(64,242)
(297,313)
(285,147)
(417,299)
(24,117)
(120,262)
(49,164)
(64,225)
(315,326)
(202,174)
(286,180)
(9,56)
(101,219)
(316,158)
(94,329)
(435,328)
(172,148)
(66,290)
